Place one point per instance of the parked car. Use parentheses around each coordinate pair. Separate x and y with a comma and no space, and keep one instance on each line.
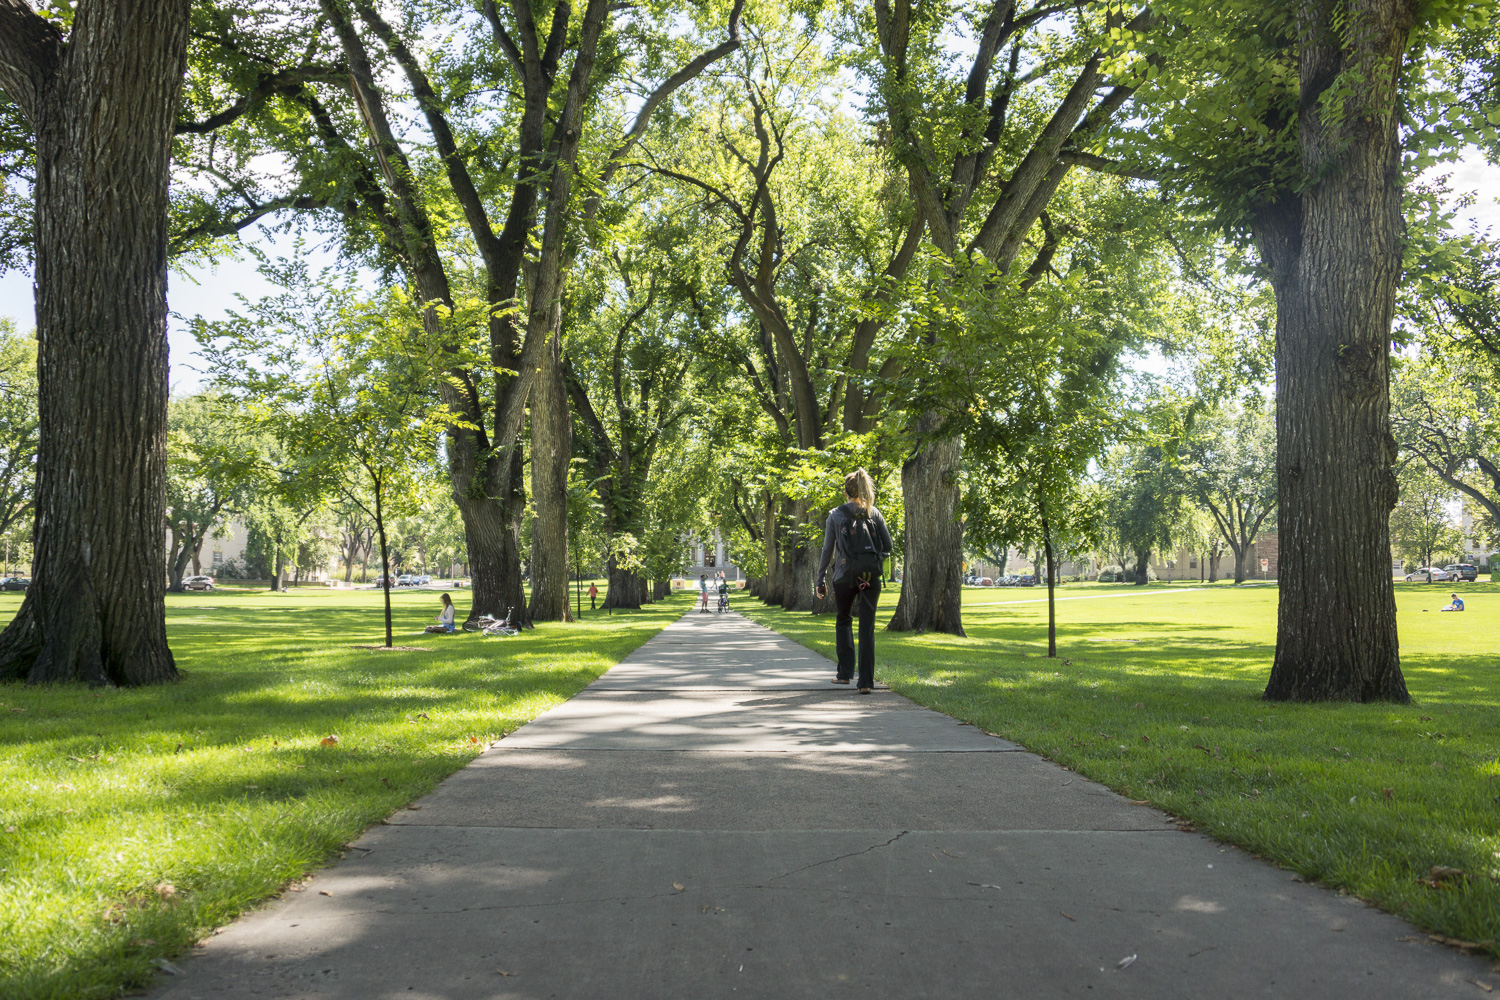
(423,580)
(15,583)
(198,583)
(1027,581)
(406,580)
(1462,571)
(1427,574)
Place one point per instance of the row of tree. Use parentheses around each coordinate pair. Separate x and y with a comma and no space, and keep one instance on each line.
(926,238)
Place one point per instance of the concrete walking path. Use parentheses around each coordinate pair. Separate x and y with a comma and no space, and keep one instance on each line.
(713,818)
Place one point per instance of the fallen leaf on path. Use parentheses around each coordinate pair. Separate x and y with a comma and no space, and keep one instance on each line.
(1068,915)
(1483,985)
(504,973)
(324,892)
(984,885)
(1126,962)
(678,886)
(413,805)
(167,967)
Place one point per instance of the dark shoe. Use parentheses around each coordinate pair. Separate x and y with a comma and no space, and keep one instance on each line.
(841,680)
(865,690)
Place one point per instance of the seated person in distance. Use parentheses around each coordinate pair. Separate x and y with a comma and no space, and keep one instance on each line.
(1457,605)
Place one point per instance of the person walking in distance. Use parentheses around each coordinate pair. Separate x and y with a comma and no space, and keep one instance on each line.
(856,542)
(593,596)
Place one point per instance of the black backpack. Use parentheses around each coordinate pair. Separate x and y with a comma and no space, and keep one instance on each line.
(861,559)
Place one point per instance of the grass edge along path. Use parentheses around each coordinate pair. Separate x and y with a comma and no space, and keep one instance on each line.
(135,822)
(1160,700)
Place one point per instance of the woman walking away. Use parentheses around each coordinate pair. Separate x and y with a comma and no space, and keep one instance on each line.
(857,542)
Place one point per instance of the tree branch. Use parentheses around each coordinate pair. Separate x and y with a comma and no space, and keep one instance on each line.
(30,47)
(285,82)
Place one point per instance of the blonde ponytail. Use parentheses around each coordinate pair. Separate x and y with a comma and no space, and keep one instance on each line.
(859,487)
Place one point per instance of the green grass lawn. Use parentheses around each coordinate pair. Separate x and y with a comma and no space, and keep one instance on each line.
(134,822)
(1156,693)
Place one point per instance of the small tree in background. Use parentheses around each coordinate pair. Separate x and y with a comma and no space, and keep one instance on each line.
(347,385)
(1422,522)
(1230,469)
(212,471)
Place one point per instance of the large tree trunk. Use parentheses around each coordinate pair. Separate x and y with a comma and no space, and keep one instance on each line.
(770,590)
(1335,259)
(551,452)
(624,589)
(800,563)
(1241,554)
(492,537)
(931,590)
(1142,566)
(103,111)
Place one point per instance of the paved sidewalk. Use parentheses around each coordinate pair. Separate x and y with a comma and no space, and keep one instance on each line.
(713,818)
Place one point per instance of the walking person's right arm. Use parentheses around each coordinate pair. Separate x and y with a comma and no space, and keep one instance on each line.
(828,533)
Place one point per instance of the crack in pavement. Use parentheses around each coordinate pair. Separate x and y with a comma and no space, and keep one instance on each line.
(841,857)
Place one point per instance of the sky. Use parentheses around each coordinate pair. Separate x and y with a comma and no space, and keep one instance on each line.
(210,290)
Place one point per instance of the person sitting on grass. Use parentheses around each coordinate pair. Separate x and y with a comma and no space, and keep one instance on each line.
(444,617)
(1457,605)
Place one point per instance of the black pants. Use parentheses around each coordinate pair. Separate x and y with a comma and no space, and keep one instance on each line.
(850,601)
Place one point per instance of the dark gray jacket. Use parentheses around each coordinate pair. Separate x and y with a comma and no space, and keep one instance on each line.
(878,530)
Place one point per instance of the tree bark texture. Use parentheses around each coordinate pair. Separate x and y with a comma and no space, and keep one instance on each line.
(931,590)
(103,109)
(1334,255)
(492,537)
(551,452)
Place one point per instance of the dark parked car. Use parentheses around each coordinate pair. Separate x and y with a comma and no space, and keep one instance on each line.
(1462,571)
(15,583)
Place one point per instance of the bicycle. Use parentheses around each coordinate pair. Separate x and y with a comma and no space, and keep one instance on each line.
(723,600)
(490,625)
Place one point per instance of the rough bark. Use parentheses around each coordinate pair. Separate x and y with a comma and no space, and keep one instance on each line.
(492,538)
(551,451)
(931,588)
(102,110)
(1334,255)
(1142,567)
